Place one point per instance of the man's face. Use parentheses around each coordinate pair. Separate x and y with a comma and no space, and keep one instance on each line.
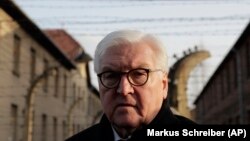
(127,105)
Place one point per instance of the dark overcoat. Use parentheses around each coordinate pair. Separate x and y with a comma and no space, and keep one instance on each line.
(165,119)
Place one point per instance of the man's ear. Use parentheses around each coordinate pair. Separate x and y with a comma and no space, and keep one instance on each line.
(165,85)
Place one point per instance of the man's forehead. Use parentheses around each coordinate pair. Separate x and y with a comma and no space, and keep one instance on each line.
(124,58)
(123,67)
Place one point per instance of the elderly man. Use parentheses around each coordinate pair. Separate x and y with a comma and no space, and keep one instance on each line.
(132,69)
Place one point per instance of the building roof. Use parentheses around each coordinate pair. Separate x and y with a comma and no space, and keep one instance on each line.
(68,45)
(243,37)
(65,42)
(73,49)
(35,32)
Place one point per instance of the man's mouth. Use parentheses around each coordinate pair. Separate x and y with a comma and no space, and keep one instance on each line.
(125,105)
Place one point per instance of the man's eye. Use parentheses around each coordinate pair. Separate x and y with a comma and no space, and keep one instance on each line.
(138,74)
(110,75)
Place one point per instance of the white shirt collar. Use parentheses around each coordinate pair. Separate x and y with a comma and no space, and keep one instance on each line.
(116,136)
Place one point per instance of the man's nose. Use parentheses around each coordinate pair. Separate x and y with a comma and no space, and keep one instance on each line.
(124,86)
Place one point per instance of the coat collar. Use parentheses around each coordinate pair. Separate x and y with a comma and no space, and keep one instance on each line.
(164,117)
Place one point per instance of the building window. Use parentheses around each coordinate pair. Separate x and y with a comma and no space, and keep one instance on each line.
(235,71)
(65,88)
(74,128)
(46,79)
(32,64)
(44,128)
(56,82)
(78,97)
(74,92)
(248,59)
(223,84)
(64,130)
(16,55)
(55,129)
(228,77)
(14,121)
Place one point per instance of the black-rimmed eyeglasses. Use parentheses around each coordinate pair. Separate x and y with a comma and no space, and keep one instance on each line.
(136,77)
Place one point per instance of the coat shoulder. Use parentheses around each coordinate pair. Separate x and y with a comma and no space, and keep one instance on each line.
(184,120)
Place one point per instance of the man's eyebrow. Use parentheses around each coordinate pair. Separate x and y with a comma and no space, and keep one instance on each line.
(108,68)
(143,66)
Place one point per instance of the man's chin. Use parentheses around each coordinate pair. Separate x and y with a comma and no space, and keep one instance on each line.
(126,122)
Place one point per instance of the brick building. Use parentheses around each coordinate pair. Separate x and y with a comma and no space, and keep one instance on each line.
(225,99)
(75,52)
(44,93)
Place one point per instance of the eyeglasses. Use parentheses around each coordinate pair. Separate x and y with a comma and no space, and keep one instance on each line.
(136,77)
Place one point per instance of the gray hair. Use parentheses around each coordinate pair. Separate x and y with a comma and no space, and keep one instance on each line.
(127,38)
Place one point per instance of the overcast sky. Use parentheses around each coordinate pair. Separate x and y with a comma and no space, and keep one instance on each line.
(212,25)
